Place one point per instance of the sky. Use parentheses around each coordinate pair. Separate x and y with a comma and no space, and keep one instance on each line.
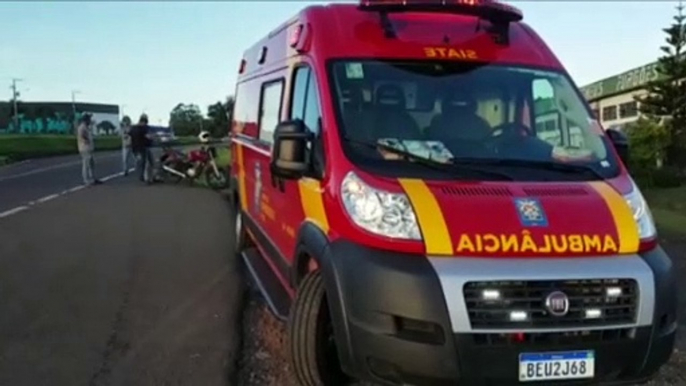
(150,56)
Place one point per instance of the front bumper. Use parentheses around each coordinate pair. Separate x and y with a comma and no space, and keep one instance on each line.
(400,319)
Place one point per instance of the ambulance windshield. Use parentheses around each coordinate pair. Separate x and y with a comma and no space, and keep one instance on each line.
(500,116)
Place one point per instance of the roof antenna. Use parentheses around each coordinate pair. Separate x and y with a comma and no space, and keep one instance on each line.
(386,25)
(499,30)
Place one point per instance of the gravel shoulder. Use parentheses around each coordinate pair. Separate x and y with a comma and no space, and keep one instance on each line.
(264,359)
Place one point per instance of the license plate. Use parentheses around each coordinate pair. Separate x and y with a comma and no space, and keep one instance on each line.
(556,366)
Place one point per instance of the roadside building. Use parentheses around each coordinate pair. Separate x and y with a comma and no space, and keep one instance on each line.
(56,117)
(612,99)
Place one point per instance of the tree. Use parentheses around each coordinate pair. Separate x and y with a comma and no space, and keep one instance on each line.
(107,127)
(219,115)
(665,101)
(648,140)
(230,106)
(186,120)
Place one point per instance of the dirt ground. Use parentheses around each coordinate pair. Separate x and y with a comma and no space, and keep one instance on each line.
(264,360)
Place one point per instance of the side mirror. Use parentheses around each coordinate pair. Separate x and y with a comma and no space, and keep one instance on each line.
(621,144)
(289,154)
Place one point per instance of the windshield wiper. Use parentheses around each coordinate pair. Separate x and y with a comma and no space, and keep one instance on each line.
(536,164)
(431,163)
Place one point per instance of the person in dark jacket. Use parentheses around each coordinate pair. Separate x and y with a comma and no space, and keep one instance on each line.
(140,146)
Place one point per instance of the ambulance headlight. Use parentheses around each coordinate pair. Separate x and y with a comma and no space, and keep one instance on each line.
(641,212)
(384,213)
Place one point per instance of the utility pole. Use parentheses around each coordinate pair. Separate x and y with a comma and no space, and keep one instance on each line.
(73,101)
(15,96)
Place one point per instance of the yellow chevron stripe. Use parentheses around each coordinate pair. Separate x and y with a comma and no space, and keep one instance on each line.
(241,177)
(431,222)
(627,229)
(313,203)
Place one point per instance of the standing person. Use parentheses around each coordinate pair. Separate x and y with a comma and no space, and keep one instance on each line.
(84,141)
(140,145)
(126,153)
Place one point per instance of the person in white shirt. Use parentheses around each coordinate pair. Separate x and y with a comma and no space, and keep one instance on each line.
(126,153)
(84,141)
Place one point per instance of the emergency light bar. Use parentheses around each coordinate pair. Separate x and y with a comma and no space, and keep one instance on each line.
(498,14)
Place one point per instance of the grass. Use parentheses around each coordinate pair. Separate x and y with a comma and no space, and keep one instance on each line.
(669,209)
(223,157)
(20,147)
(223,162)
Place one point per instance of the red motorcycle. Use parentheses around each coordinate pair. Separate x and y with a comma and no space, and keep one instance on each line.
(176,166)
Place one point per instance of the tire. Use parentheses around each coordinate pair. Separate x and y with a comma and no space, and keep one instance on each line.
(313,354)
(216,181)
(241,238)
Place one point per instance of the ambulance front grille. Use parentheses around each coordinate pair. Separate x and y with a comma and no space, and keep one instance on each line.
(522,304)
(555,191)
(548,339)
(475,191)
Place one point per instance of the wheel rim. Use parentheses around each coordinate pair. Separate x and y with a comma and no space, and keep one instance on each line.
(239,226)
(217,180)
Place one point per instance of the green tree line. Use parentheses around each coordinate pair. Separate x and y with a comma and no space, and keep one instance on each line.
(658,137)
(189,120)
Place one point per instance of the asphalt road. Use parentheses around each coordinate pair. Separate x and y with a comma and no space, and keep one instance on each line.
(25,182)
(117,284)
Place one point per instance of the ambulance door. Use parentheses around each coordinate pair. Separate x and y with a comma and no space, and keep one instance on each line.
(262,203)
(295,195)
(248,148)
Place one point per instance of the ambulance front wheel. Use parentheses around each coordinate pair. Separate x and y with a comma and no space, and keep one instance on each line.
(313,354)
(241,238)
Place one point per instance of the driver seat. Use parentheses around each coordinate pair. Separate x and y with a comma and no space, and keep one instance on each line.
(391,119)
(458,120)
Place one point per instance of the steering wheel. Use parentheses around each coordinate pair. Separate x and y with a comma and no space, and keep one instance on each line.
(507,135)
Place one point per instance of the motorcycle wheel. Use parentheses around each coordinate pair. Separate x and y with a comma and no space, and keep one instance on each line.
(216,181)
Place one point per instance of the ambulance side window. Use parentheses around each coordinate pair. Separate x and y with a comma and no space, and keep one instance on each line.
(270,109)
(546,114)
(299,92)
(305,106)
(312,114)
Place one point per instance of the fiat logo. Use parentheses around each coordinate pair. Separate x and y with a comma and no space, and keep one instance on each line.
(557,303)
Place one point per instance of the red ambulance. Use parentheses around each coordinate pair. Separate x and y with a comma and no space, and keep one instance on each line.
(422,192)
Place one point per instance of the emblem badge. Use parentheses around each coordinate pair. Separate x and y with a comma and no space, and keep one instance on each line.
(557,303)
(531,212)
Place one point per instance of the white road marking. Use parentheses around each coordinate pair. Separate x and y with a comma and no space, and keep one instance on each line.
(76,188)
(47,198)
(54,196)
(115,175)
(13,211)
